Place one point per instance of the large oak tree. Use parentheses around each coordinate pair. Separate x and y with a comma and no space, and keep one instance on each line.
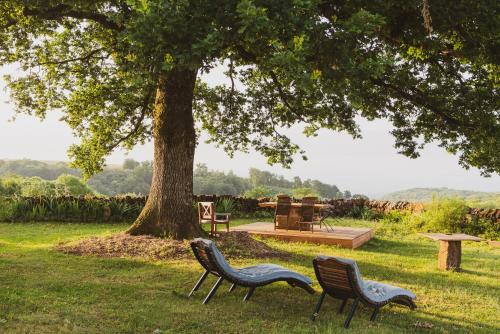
(125,71)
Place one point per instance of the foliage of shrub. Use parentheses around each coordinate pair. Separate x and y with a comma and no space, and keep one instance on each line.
(260,192)
(72,185)
(64,185)
(443,215)
(225,205)
(362,212)
(395,223)
(482,227)
(10,185)
(304,192)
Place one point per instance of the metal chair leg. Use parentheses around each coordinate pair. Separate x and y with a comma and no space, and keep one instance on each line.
(351,313)
(199,283)
(249,294)
(214,289)
(233,286)
(318,306)
(342,306)
(374,314)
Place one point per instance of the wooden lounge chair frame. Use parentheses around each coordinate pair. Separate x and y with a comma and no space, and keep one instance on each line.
(340,278)
(250,277)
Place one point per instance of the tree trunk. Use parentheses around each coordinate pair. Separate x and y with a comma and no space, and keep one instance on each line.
(169,208)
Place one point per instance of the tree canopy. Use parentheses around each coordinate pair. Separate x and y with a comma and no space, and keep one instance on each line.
(320,63)
(125,71)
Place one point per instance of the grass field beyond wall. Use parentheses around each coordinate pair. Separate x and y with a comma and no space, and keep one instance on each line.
(44,291)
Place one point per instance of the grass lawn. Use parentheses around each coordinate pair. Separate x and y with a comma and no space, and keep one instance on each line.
(44,291)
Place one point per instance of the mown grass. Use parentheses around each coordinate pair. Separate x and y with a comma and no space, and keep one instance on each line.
(44,291)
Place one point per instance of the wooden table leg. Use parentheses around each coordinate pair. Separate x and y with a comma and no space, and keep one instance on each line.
(450,255)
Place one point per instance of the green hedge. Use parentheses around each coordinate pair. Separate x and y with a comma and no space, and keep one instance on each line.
(70,209)
(108,209)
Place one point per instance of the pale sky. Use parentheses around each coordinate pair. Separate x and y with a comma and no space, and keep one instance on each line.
(369,165)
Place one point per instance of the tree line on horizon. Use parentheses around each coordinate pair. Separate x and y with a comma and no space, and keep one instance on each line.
(31,177)
(475,199)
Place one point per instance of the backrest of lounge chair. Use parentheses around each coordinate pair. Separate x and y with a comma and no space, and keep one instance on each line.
(338,277)
(307,208)
(199,247)
(218,260)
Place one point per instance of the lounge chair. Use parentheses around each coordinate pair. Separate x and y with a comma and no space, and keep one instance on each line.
(340,278)
(251,277)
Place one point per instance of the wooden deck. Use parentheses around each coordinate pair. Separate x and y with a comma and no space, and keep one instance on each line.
(346,237)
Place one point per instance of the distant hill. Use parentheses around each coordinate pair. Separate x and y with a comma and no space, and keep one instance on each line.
(473,198)
(135,177)
(48,170)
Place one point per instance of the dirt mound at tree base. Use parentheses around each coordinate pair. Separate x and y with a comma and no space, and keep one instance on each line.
(233,245)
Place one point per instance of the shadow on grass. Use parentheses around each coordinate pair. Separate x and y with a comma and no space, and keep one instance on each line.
(413,248)
(380,245)
(398,273)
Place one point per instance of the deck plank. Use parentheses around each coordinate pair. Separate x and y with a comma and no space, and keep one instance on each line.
(347,237)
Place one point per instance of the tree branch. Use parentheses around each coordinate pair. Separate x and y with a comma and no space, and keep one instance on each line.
(283,95)
(138,122)
(418,97)
(86,58)
(231,73)
(64,11)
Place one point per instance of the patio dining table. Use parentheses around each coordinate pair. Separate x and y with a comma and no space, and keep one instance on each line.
(294,217)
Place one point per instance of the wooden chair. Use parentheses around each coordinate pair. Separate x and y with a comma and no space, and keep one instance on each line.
(283,208)
(207,215)
(307,217)
(340,278)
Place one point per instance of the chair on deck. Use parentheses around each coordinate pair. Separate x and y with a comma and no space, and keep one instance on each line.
(340,278)
(207,215)
(307,214)
(282,211)
(251,277)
